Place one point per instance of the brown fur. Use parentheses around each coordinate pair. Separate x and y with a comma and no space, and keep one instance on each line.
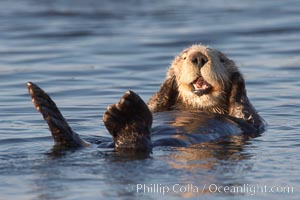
(227,96)
(199,79)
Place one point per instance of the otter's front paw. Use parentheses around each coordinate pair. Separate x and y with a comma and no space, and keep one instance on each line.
(129,122)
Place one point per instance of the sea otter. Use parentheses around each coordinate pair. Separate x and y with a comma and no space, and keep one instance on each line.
(203,96)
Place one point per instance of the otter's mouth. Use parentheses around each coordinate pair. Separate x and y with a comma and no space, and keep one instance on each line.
(200,86)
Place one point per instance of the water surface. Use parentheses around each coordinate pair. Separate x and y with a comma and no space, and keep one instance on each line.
(86,54)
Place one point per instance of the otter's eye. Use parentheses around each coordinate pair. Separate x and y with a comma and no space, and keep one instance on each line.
(222,60)
(184,58)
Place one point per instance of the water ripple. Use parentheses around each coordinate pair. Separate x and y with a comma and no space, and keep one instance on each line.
(87,54)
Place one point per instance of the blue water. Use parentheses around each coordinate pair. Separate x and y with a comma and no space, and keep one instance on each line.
(86,54)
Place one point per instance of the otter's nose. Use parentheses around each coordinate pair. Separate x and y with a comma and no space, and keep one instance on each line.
(198,59)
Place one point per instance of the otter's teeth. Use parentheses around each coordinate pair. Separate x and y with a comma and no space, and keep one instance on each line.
(201,86)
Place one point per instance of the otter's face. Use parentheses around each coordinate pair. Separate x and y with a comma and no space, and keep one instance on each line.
(203,75)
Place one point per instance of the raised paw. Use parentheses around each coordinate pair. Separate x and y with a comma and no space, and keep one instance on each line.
(129,122)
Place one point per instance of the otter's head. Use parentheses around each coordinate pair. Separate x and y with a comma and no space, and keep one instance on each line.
(203,77)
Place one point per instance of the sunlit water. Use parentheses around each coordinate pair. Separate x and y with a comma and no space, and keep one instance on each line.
(85,54)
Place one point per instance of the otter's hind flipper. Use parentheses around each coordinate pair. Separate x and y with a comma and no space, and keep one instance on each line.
(62,133)
(129,122)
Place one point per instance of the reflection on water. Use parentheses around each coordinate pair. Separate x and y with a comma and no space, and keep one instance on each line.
(207,155)
(212,157)
(87,54)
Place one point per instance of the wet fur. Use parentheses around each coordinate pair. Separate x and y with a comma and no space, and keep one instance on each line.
(129,121)
(228,96)
(216,71)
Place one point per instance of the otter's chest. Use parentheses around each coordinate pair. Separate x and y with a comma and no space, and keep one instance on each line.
(183,128)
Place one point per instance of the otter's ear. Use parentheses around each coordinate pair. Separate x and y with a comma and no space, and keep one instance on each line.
(176,64)
(174,68)
(238,89)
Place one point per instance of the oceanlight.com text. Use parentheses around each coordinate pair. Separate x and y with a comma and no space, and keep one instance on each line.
(164,189)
